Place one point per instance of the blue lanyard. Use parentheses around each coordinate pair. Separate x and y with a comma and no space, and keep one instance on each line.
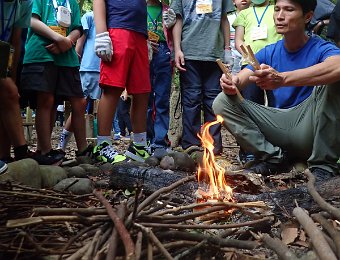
(55,8)
(5,29)
(257,18)
(154,21)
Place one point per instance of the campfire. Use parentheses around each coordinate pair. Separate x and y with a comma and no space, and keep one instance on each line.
(211,176)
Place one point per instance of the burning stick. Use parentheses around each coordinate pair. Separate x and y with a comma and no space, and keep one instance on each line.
(248,56)
(226,71)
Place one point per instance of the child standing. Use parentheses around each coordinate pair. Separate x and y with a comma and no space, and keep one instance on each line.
(160,75)
(51,71)
(121,44)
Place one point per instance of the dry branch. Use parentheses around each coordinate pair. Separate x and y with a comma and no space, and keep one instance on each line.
(278,247)
(318,199)
(321,246)
(119,225)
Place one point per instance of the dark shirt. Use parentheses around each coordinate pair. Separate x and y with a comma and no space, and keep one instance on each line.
(127,14)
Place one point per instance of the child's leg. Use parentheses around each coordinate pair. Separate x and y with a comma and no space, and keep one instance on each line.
(43,120)
(78,121)
(106,110)
(66,135)
(138,116)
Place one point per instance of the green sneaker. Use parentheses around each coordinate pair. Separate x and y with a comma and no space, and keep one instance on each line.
(105,152)
(138,153)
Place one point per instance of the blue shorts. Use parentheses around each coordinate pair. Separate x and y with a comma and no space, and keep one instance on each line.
(90,84)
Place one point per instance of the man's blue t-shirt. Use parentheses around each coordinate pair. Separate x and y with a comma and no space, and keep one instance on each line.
(315,51)
(90,61)
(127,14)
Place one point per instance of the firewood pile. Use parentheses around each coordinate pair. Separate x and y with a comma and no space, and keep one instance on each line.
(35,223)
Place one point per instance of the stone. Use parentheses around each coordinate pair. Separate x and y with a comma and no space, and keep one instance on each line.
(91,170)
(167,163)
(84,160)
(51,175)
(106,168)
(79,186)
(70,163)
(183,161)
(101,184)
(152,161)
(26,172)
(76,171)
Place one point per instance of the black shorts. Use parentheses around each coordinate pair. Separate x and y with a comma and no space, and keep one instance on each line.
(62,82)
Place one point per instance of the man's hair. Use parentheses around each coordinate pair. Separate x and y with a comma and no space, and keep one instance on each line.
(306,5)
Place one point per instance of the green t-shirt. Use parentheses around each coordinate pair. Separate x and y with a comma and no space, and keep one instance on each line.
(202,37)
(155,21)
(35,50)
(247,19)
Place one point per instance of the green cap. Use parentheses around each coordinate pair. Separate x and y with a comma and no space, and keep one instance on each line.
(258,2)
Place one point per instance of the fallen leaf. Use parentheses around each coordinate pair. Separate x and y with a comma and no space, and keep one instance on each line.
(289,234)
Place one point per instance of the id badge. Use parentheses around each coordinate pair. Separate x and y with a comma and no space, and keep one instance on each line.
(259,33)
(63,16)
(60,30)
(204,7)
(154,37)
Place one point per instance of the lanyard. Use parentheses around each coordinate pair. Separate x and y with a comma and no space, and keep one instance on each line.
(5,29)
(257,18)
(154,21)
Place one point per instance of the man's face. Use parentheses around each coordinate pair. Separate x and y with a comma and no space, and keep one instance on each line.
(288,17)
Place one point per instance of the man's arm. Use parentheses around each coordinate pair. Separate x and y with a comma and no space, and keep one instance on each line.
(99,11)
(80,44)
(326,72)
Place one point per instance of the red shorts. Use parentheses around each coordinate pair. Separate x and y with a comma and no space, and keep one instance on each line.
(129,67)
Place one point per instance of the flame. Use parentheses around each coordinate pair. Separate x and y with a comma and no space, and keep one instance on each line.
(211,178)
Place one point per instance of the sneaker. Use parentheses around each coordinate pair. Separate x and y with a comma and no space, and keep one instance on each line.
(247,160)
(53,157)
(64,140)
(105,152)
(3,167)
(116,137)
(138,153)
(267,168)
(87,152)
(321,174)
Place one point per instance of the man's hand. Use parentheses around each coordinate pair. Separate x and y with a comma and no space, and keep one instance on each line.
(228,57)
(103,46)
(229,86)
(179,60)
(169,18)
(267,78)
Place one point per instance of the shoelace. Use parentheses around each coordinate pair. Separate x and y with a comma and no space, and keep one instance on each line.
(109,152)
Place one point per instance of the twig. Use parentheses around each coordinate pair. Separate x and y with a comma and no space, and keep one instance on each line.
(228,75)
(70,185)
(198,226)
(155,240)
(159,192)
(64,211)
(119,225)
(149,249)
(335,212)
(211,239)
(78,254)
(278,247)
(330,230)
(28,194)
(135,206)
(90,251)
(191,250)
(255,204)
(321,246)
(113,241)
(48,219)
(139,245)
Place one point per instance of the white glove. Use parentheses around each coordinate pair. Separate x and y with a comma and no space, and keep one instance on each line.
(169,18)
(228,58)
(103,46)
